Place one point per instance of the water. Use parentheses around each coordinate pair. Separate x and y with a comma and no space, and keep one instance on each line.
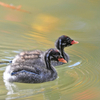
(19,31)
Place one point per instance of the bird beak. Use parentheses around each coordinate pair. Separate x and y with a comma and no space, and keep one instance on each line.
(74,42)
(62,60)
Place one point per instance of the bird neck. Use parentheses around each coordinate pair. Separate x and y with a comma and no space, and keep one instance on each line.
(47,61)
(53,71)
(62,53)
(60,48)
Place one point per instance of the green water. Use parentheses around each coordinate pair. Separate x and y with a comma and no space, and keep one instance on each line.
(80,19)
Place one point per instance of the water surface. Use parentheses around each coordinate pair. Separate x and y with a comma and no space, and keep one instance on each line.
(19,31)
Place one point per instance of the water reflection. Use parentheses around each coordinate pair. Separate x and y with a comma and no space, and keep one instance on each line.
(13,17)
(89,94)
(13,7)
(25,90)
(10,87)
(40,39)
(45,23)
(76,64)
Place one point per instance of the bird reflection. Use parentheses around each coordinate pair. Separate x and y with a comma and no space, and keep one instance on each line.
(10,87)
(31,91)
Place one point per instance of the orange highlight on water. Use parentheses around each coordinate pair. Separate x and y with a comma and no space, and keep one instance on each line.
(13,7)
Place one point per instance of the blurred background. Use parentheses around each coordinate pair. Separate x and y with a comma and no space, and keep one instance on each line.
(37,24)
